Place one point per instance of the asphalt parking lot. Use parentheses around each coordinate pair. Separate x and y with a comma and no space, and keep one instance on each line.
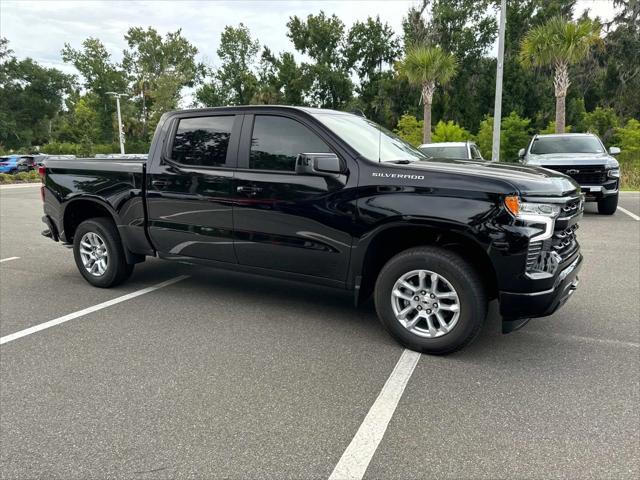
(223,375)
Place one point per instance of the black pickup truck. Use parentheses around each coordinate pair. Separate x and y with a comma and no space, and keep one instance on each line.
(330,198)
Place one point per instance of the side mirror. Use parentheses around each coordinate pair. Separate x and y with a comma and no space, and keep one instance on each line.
(318,164)
(521,153)
(614,150)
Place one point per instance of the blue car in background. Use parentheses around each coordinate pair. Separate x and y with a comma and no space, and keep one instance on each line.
(17,163)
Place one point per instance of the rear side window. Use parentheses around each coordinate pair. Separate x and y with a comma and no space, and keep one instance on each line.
(202,141)
(277,141)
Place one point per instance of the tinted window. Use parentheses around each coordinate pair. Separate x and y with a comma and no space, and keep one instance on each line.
(202,141)
(568,144)
(277,141)
(445,152)
(475,153)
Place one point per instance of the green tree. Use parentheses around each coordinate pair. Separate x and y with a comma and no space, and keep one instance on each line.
(234,82)
(514,135)
(370,52)
(603,122)
(428,66)
(449,132)
(322,38)
(410,129)
(159,68)
(80,121)
(101,75)
(281,80)
(559,43)
(31,97)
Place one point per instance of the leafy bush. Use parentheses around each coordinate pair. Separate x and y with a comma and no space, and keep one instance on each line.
(629,158)
(603,122)
(449,132)
(514,135)
(410,129)
(551,128)
(6,178)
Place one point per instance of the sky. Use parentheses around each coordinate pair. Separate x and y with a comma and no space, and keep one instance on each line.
(39,29)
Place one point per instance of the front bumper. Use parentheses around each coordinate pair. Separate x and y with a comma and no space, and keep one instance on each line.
(595,192)
(518,305)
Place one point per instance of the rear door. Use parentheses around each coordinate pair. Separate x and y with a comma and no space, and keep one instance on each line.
(285,221)
(189,191)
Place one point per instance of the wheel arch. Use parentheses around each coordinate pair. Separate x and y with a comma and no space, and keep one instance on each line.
(80,209)
(395,238)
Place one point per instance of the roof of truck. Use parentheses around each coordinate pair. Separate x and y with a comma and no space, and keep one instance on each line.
(310,110)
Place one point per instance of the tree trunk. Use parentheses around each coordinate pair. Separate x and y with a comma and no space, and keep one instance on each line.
(427,97)
(426,129)
(560,114)
(561,83)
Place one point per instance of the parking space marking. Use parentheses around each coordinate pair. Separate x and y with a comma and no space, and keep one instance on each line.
(9,258)
(85,311)
(631,214)
(356,458)
(24,185)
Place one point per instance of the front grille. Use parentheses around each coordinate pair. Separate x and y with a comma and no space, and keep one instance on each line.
(583,174)
(544,256)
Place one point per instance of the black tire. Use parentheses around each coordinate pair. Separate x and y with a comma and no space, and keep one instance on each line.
(118,270)
(608,205)
(462,277)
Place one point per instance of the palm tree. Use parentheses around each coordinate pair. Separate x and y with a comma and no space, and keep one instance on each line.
(559,43)
(427,66)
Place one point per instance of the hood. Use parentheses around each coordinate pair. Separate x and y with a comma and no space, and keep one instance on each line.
(527,180)
(571,159)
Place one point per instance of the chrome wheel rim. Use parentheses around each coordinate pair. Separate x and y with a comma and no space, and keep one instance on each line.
(425,303)
(94,254)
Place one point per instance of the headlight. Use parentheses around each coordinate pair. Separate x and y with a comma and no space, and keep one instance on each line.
(614,173)
(525,209)
(537,213)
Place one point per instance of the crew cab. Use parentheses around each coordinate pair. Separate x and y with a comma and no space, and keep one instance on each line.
(330,198)
(584,158)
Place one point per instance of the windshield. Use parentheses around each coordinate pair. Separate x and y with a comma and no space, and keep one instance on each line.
(449,151)
(369,139)
(569,144)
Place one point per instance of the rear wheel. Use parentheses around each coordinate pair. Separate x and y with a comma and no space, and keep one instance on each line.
(608,205)
(431,300)
(99,254)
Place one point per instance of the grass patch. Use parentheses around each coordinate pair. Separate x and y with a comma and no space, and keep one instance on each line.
(22,177)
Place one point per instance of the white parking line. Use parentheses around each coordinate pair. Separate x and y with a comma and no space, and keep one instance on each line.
(85,311)
(9,258)
(355,459)
(631,214)
(22,185)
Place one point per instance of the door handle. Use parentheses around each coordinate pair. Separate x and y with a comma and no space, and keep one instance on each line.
(253,191)
(160,183)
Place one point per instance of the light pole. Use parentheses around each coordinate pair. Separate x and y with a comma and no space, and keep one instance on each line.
(497,109)
(120,130)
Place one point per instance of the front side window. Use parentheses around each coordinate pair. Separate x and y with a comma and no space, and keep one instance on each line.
(202,141)
(475,153)
(276,142)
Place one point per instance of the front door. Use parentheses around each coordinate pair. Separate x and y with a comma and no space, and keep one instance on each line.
(189,192)
(283,220)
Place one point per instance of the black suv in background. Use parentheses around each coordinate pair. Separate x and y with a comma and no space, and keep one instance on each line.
(584,158)
(330,198)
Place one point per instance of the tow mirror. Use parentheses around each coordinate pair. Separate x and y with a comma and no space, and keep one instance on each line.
(318,164)
(521,153)
(614,150)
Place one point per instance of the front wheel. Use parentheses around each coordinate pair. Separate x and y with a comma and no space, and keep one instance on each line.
(99,254)
(431,300)
(608,205)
